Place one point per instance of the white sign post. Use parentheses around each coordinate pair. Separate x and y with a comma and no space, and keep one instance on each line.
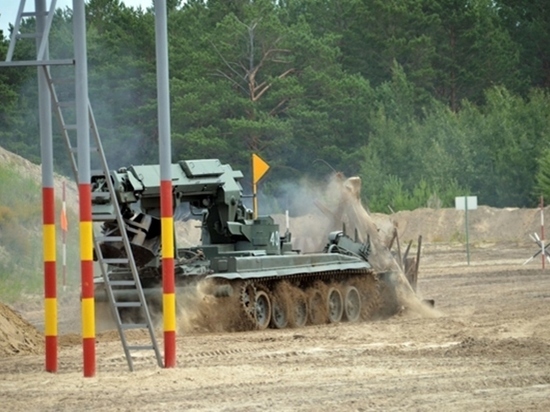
(466,203)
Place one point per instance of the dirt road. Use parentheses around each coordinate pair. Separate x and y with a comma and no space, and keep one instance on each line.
(486,348)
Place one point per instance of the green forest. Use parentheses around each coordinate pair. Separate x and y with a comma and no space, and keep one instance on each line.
(425,100)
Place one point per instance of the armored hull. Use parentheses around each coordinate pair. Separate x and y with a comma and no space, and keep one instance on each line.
(287,290)
(243,262)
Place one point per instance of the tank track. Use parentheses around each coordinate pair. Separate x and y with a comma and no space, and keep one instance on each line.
(314,287)
(303,296)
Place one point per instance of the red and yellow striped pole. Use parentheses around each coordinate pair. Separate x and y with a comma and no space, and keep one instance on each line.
(84,188)
(168,281)
(64,228)
(87,279)
(50,282)
(48,201)
(166,201)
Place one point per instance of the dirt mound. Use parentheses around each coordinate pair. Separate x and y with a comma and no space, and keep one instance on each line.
(33,171)
(17,336)
(485,224)
(518,347)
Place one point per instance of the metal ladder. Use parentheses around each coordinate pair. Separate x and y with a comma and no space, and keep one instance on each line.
(106,264)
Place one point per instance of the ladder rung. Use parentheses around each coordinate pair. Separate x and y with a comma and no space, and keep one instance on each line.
(70,127)
(145,347)
(127,326)
(75,149)
(20,63)
(103,217)
(122,282)
(28,35)
(62,80)
(115,261)
(128,304)
(98,195)
(66,104)
(109,238)
(97,173)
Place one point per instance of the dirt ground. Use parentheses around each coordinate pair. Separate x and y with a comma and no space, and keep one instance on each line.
(487,347)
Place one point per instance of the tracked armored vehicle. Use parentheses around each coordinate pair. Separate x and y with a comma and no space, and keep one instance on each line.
(246,261)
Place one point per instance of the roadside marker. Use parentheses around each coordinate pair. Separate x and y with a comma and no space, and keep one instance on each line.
(540,240)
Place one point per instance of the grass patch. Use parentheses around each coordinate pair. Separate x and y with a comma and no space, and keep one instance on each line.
(21,238)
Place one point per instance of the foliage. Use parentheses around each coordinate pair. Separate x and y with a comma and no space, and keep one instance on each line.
(393,196)
(19,216)
(542,186)
(528,25)
(21,258)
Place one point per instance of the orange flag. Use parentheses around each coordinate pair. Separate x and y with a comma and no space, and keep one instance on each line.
(64,223)
(259,168)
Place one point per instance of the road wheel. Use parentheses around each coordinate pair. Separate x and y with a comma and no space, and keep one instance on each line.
(300,312)
(352,304)
(262,309)
(279,318)
(335,305)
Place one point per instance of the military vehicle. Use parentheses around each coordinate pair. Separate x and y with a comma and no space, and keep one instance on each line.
(239,255)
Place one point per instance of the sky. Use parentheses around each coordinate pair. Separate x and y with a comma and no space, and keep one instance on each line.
(8,9)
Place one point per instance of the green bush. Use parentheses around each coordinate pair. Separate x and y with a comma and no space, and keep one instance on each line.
(21,260)
(394,197)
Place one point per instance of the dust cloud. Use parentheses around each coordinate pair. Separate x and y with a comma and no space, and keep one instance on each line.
(323,208)
(351,211)
(337,206)
(200,308)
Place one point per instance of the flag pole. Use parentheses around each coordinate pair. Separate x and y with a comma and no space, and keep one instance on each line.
(255,200)
(64,228)
(259,168)
(542,231)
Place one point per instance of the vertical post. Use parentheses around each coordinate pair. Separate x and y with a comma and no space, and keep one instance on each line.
(467,237)
(48,199)
(84,189)
(64,229)
(255,199)
(166,206)
(259,168)
(287,220)
(417,263)
(542,232)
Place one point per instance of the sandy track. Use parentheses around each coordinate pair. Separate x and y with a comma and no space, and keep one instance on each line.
(486,348)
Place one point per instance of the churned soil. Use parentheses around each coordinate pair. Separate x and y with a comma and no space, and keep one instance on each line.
(485,346)
(17,336)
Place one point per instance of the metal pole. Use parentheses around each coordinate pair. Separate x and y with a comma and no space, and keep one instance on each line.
(542,231)
(166,206)
(255,199)
(259,168)
(64,228)
(84,189)
(467,237)
(48,197)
